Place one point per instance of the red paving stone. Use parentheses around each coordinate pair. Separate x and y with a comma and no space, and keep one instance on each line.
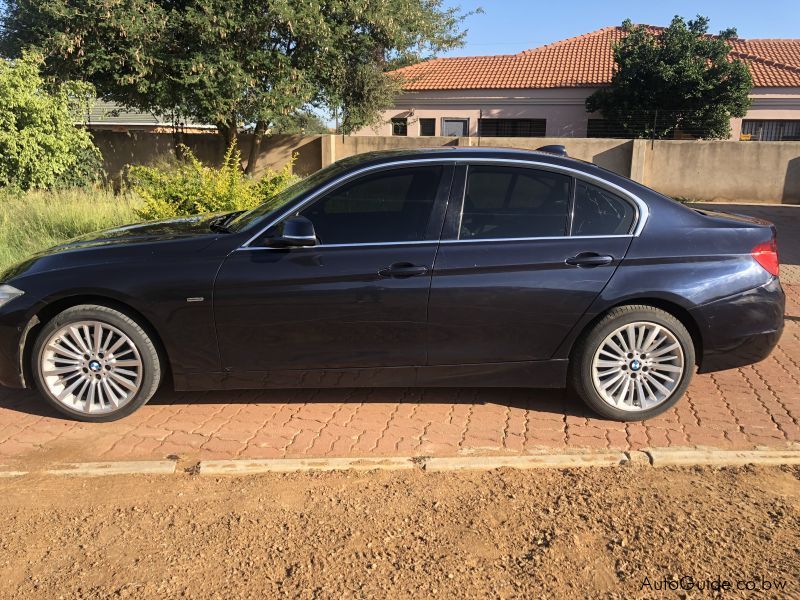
(753,406)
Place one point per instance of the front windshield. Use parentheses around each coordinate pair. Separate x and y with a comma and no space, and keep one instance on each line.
(261,213)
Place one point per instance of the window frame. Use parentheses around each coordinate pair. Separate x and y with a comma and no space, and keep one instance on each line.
(567,217)
(455,202)
(433,120)
(459,189)
(440,205)
(485,123)
(769,123)
(464,120)
(399,121)
(604,188)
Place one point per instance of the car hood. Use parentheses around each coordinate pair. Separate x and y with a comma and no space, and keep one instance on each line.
(170,237)
(153,231)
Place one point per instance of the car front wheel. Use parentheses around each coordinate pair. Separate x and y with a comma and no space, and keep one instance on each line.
(634,364)
(94,363)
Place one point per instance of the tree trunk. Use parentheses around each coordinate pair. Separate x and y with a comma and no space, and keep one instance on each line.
(255,147)
(227,131)
(177,140)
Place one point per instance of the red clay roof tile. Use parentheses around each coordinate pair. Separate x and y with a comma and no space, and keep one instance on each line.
(585,61)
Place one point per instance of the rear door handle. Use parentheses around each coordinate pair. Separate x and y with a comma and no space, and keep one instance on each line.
(590,259)
(401,270)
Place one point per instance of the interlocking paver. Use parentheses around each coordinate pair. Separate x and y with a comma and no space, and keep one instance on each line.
(757,405)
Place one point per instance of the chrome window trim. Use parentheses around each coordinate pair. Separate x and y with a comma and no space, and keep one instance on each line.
(421,242)
(642,210)
(534,239)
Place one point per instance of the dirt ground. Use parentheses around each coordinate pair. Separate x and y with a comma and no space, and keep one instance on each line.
(504,534)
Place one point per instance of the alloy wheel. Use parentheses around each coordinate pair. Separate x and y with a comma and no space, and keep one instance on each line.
(91,367)
(638,366)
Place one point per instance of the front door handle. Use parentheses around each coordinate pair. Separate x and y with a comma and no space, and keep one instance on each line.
(403,269)
(590,259)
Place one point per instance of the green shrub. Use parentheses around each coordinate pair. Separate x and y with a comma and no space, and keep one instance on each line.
(40,146)
(190,187)
(36,220)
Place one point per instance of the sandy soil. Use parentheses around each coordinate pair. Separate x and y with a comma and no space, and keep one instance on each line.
(503,534)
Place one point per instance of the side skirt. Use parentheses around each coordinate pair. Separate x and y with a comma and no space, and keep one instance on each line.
(533,374)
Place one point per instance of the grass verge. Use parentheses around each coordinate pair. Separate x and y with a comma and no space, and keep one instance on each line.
(34,221)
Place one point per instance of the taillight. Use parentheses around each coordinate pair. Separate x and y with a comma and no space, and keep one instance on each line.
(766,255)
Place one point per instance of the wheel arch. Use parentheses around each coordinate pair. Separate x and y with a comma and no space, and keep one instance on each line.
(51,310)
(673,308)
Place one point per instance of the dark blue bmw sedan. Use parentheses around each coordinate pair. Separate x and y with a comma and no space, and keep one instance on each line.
(447,267)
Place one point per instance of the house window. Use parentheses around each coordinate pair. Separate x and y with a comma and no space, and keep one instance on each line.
(455,127)
(399,126)
(512,127)
(771,131)
(427,127)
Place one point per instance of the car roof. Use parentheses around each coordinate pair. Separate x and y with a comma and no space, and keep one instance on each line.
(474,153)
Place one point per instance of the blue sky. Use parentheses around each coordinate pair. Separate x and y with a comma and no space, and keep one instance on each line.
(508,26)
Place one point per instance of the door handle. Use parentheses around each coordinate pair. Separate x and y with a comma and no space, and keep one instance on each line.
(403,269)
(590,259)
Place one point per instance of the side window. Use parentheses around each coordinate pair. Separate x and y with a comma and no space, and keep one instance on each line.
(599,212)
(514,202)
(389,206)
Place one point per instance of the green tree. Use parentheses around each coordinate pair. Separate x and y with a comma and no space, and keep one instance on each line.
(676,79)
(40,146)
(235,62)
(303,121)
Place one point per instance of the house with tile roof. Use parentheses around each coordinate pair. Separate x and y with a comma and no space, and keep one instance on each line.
(110,116)
(542,92)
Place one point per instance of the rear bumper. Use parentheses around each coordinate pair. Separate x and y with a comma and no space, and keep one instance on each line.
(741,329)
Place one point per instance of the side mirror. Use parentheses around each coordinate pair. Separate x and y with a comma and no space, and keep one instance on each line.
(297,232)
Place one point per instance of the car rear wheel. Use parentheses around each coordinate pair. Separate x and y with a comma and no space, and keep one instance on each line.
(95,363)
(634,364)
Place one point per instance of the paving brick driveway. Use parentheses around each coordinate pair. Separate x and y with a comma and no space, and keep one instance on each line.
(752,406)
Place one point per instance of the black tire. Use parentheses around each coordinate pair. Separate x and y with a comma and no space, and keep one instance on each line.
(580,376)
(149,355)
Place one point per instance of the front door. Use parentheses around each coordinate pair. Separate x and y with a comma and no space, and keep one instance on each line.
(358,298)
(521,269)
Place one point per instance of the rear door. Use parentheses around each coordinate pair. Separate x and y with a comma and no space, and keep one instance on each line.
(525,253)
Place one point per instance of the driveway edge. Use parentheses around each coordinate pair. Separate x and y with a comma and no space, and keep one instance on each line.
(655,457)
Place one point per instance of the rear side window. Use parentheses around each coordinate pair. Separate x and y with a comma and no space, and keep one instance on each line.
(512,202)
(599,212)
(389,206)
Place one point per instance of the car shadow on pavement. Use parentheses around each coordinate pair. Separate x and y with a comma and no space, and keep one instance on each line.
(554,401)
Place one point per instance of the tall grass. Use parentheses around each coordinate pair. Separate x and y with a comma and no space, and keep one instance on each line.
(33,221)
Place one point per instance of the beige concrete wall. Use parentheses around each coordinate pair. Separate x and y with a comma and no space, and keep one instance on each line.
(729,171)
(704,170)
(614,155)
(144,148)
(345,146)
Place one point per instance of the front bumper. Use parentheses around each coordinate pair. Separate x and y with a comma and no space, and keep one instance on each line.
(741,329)
(17,319)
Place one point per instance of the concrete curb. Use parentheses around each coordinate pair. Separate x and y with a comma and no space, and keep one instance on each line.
(10,473)
(667,457)
(533,461)
(289,465)
(656,457)
(95,469)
